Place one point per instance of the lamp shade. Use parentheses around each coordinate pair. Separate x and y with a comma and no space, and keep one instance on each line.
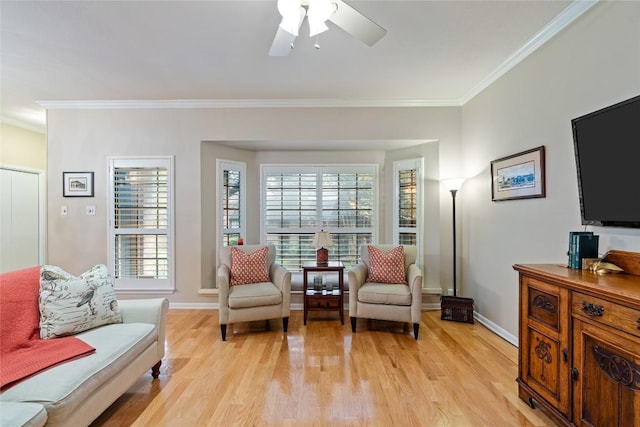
(452,183)
(322,239)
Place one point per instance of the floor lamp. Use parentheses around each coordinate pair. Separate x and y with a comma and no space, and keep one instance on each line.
(455,308)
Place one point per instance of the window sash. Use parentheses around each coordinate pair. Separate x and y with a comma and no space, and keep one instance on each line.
(231,201)
(297,202)
(141,224)
(407,208)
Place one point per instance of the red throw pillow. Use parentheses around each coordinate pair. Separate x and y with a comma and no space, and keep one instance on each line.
(386,268)
(249,268)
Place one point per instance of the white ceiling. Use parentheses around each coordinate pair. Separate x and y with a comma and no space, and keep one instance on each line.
(216,52)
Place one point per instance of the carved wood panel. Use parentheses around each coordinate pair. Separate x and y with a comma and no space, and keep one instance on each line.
(610,384)
(544,360)
(543,307)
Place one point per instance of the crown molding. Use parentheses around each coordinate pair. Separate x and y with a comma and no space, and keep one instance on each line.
(247,103)
(559,23)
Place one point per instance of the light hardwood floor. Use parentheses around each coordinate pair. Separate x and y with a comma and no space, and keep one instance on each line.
(455,374)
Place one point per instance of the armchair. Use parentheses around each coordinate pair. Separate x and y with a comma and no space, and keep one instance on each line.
(261,300)
(386,300)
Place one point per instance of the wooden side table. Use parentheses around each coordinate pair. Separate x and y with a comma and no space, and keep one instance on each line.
(325,300)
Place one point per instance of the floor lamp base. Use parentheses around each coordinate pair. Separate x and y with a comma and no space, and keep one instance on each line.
(456,309)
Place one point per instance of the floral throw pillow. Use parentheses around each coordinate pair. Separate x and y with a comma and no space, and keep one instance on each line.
(69,304)
(249,268)
(386,268)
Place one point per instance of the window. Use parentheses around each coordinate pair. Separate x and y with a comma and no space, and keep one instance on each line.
(231,201)
(141,223)
(407,211)
(298,201)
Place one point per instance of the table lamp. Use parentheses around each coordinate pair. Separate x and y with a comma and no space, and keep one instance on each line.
(322,241)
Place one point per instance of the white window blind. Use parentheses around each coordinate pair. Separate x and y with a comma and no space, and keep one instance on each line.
(407,210)
(231,201)
(141,224)
(302,200)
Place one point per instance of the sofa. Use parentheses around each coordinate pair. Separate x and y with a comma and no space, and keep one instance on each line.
(75,392)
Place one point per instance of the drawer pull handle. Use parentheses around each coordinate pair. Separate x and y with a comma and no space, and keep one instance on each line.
(639,323)
(592,309)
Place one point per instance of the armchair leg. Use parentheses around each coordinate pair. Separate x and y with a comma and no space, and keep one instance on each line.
(285,324)
(353,324)
(416,329)
(223,331)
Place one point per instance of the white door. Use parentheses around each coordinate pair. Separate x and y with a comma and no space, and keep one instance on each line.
(19,219)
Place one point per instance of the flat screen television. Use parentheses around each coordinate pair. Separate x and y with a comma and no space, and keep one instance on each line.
(607,149)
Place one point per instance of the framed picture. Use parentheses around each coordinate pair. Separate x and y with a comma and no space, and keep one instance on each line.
(520,176)
(77,184)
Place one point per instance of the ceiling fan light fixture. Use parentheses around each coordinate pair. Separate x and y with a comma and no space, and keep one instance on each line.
(292,14)
(319,11)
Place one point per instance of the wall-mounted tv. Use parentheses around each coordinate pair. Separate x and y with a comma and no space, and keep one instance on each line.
(607,148)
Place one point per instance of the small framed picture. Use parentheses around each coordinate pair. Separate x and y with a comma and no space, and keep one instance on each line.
(77,184)
(519,176)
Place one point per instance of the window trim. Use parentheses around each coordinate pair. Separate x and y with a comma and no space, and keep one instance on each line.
(220,168)
(154,286)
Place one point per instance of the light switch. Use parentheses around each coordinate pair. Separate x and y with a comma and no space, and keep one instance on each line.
(91,210)
(63,210)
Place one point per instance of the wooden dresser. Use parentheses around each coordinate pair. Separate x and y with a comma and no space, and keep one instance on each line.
(579,342)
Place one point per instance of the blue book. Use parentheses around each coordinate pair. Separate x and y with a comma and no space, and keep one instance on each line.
(586,247)
(573,251)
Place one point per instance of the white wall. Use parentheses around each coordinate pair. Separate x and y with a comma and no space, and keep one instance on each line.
(83,139)
(592,64)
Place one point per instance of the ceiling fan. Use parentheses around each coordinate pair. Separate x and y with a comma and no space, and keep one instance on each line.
(318,12)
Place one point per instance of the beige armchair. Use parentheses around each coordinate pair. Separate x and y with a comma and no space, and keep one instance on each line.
(384,301)
(253,301)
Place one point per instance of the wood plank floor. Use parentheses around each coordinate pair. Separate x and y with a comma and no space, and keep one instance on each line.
(321,374)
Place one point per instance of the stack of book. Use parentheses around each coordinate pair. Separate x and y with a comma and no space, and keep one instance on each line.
(582,244)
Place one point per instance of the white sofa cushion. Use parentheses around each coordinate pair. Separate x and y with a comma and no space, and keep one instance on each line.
(22,414)
(62,388)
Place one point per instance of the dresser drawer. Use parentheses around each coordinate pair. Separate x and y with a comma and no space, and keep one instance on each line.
(608,313)
(543,302)
(323,302)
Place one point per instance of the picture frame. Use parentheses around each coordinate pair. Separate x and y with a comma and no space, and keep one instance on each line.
(519,176)
(77,184)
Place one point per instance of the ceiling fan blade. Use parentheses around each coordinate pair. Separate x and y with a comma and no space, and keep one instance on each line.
(356,24)
(282,43)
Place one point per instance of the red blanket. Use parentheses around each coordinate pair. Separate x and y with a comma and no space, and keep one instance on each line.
(22,352)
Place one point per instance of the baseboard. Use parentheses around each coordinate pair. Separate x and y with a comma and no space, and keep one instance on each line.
(502,333)
(430,306)
(194,306)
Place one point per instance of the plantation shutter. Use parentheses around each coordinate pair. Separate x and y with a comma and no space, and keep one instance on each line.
(141,223)
(299,201)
